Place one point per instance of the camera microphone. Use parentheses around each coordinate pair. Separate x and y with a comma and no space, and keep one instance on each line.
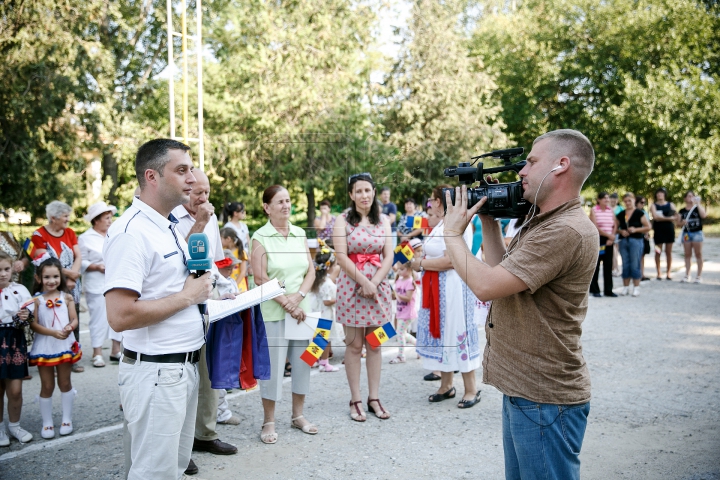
(200,262)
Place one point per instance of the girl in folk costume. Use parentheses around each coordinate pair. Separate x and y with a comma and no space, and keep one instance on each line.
(231,241)
(54,346)
(14,315)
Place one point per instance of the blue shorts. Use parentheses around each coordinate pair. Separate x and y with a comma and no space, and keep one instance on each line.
(688,237)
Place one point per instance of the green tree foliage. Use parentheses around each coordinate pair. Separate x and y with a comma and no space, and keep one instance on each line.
(284,95)
(639,78)
(439,105)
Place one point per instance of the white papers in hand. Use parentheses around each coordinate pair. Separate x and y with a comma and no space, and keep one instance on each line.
(218,309)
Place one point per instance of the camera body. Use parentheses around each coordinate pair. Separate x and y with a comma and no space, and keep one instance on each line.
(504,200)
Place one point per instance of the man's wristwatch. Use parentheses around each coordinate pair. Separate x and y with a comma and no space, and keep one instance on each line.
(421,267)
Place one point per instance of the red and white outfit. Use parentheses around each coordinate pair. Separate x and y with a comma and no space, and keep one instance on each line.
(49,351)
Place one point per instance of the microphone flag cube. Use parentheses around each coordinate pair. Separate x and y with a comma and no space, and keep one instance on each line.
(403,253)
(314,351)
(198,244)
(380,335)
(416,222)
(323,328)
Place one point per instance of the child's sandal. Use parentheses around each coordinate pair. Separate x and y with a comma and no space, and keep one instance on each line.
(398,359)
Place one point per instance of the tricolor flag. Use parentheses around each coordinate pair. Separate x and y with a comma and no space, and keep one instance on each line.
(314,351)
(403,253)
(602,250)
(323,328)
(380,335)
(28,247)
(416,222)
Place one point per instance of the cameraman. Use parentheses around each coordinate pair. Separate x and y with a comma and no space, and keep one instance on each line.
(539,288)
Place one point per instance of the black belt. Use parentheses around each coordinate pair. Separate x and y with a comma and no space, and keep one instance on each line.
(192,357)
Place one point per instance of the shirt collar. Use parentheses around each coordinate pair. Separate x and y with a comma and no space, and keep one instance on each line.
(273,232)
(154,215)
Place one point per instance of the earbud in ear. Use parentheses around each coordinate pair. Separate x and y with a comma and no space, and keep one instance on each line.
(559,166)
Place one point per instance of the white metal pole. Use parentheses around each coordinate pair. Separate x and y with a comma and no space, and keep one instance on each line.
(199,46)
(171,80)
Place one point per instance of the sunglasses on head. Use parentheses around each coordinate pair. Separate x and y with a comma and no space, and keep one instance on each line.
(353,177)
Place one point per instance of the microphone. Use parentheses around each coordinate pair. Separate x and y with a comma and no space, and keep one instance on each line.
(200,261)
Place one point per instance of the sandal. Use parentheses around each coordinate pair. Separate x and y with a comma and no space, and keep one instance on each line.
(698,279)
(439,397)
(380,411)
(98,361)
(398,359)
(359,416)
(686,279)
(470,403)
(268,438)
(288,370)
(431,377)
(114,358)
(305,429)
(77,368)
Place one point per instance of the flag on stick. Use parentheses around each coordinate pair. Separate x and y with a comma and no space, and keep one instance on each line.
(416,222)
(323,328)
(380,335)
(314,351)
(403,253)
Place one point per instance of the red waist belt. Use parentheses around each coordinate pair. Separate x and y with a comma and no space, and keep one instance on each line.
(360,259)
(431,300)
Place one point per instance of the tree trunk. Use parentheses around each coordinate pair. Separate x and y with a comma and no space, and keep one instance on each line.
(310,192)
(110,169)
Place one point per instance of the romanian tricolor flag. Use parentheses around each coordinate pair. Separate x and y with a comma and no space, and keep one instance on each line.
(403,253)
(416,222)
(323,328)
(380,335)
(28,247)
(314,351)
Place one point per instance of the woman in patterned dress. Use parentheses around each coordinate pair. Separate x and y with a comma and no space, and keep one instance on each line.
(447,337)
(363,246)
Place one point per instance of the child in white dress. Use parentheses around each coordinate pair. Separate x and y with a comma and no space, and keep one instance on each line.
(323,296)
(54,346)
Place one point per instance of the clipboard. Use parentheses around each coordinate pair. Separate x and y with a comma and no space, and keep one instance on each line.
(302,331)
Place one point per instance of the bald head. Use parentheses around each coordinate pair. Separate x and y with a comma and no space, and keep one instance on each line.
(200,191)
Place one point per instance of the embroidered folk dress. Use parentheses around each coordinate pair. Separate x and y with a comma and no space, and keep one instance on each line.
(352,309)
(49,351)
(458,347)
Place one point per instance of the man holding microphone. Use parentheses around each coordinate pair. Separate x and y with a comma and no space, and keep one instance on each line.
(152,298)
(539,290)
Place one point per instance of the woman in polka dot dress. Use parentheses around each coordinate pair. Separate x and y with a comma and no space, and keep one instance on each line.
(363,246)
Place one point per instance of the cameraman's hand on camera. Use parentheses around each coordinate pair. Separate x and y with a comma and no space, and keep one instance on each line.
(458,216)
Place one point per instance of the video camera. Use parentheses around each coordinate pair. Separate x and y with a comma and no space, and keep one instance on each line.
(504,200)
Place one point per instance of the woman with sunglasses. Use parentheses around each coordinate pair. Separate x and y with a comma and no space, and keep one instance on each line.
(364,249)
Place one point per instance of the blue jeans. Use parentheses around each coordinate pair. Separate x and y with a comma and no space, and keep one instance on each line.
(631,250)
(542,441)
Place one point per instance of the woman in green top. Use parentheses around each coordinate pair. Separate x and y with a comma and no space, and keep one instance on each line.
(280,250)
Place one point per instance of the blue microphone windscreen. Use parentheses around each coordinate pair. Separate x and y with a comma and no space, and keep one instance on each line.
(202,264)
(198,246)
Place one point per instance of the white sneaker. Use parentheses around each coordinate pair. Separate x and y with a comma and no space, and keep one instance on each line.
(697,280)
(4,439)
(686,279)
(21,434)
(624,291)
(636,292)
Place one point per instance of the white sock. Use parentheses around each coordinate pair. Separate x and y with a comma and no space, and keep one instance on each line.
(46,411)
(67,405)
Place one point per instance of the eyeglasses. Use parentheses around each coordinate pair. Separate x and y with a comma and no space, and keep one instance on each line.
(353,177)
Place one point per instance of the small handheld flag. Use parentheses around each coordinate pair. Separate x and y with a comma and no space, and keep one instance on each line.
(602,250)
(28,247)
(380,335)
(314,351)
(416,222)
(403,253)
(323,328)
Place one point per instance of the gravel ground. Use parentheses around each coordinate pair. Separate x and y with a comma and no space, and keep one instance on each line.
(655,367)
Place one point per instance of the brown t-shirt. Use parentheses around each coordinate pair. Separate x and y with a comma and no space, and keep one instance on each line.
(533,350)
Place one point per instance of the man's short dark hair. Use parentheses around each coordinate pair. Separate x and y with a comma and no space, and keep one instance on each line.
(153,155)
(410,200)
(384,189)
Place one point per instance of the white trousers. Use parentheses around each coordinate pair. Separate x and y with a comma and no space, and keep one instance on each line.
(280,349)
(159,403)
(223,408)
(99,328)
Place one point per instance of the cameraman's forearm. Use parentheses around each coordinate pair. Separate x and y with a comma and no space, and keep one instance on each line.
(493,243)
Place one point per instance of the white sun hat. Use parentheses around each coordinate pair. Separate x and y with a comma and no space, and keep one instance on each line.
(98,209)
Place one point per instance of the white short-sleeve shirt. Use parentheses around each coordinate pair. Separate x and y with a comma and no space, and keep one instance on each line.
(145,254)
(12,298)
(91,251)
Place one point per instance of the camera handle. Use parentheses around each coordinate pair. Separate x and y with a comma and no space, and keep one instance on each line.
(516,167)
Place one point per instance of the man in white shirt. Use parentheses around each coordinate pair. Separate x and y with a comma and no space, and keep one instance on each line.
(152,299)
(198,216)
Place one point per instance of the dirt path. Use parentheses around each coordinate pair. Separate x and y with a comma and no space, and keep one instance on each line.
(655,412)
